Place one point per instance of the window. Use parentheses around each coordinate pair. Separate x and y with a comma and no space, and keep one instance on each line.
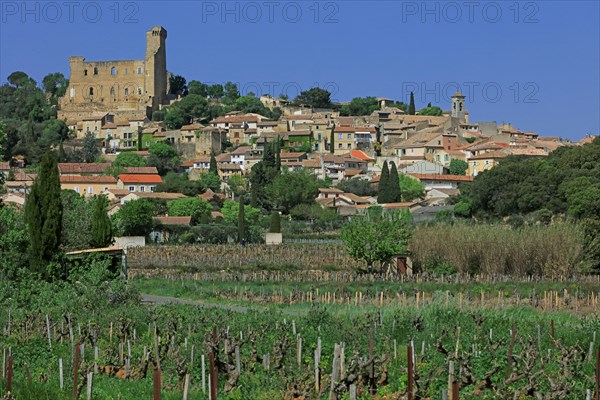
(139,91)
(91,91)
(403,152)
(112,91)
(412,151)
(437,158)
(132,188)
(349,145)
(76,189)
(439,142)
(96,127)
(95,70)
(142,188)
(113,71)
(126,91)
(90,190)
(105,188)
(446,157)
(87,129)
(349,136)
(85,72)
(339,145)
(72,92)
(152,188)
(487,162)
(139,70)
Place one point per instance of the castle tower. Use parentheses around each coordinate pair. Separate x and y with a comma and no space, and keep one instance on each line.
(458,105)
(156,67)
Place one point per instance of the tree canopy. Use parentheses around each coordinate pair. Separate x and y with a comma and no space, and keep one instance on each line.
(377,238)
(315,97)
(360,106)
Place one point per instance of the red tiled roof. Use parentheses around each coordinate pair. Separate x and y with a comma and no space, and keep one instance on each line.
(140,178)
(83,168)
(360,155)
(174,220)
(436,177)
(141,170)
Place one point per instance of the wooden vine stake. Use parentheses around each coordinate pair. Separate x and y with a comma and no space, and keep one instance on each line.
(156,377)
(76,370)
(597,374)
(409,355)
(9,377)
(510,350)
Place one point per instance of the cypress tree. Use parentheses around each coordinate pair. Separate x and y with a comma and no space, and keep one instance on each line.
(241,223)
(383,193)
(213,164)
(275,226)
(102,235)
(394,185)
(332,140)
(43,215)
(277,155)
(411,106)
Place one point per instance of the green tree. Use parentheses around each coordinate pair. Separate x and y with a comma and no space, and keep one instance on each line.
(231,93)
(315,98)
(332,139)
(199,88)
(410,188)
(394,185)
(231,210)
(275,223)
(43,215)
(210,181)
(174,118)
(213,169)
(293,188)
(19,79)
(458,167)
(91,151)
(242,229)
(164,157)
(135,218)
(76,221)
(360,106)
(433,111)
(55,84)
(216,91)
(102,235)
(383,195)
(358,186)
(13,243)
(130,159)
(177,85)
(195,207)
(238,184)
(377,240)
(411,105)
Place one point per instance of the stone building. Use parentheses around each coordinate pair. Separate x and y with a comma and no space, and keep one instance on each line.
(127,88)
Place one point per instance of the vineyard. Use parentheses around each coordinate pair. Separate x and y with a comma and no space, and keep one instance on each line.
(333,338)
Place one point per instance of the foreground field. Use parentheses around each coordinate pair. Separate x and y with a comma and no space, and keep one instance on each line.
(356,334)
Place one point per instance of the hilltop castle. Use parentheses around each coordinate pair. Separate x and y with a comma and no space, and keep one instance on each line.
(129,89)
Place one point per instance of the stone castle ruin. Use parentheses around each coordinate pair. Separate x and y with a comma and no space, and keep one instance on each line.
(129,89)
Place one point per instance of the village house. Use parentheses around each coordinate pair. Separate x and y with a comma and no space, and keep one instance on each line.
(431,181)
(484,161)
(138,182)
(227,170)
(87,185)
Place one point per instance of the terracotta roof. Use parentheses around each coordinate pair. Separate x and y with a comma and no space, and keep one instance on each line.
(141,170)
(174,220)
(436,177)
(118,192)
(159,195)
(290,154)
(223,157)
(490,155)
(529,152)
(83,168)
(297,117)
(140,178)
(355,198)
(360,155)
(352,172)
(209,194)
(216,214)
(330,190)
(192,127)
(230,167)
(241,150)
(398,205)
(87,179)
(235,119)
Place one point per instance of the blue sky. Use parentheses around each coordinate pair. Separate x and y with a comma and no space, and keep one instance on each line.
(535,64)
